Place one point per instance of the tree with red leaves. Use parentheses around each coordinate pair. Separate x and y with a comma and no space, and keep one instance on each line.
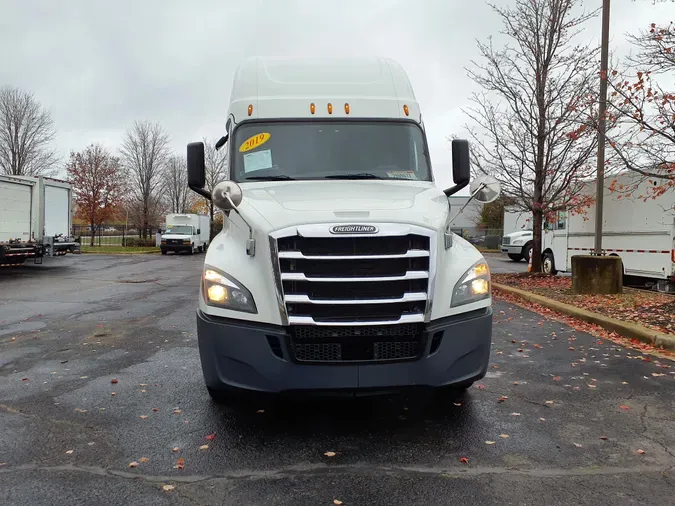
(644,140)
(98,184)
(532,124)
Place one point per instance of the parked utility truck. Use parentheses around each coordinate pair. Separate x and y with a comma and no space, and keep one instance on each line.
(638,226)
(35,219)
(186,233)
(518,237)
(336,269)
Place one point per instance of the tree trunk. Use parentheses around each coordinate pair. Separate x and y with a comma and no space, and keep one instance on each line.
(538,219)
(145,220)
(93,231)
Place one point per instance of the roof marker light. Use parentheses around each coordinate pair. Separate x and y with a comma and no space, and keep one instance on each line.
(312,108)
(406,110)
(250,109)
(346,108)
(330,108)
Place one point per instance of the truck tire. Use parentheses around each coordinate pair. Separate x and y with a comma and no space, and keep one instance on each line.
(200,249)
(192,249)
(548,264)
(163,252)
(527,250)
(515,258)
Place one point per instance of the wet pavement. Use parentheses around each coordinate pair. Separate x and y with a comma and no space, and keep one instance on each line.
(99,368)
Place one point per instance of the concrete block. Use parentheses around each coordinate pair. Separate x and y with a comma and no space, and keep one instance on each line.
(597,274)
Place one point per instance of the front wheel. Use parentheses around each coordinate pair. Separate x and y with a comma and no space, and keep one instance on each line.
(192,249)
(548,264)
(515,258)
(527,252)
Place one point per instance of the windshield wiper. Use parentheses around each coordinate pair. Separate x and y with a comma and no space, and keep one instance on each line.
(361,175)
(270,178)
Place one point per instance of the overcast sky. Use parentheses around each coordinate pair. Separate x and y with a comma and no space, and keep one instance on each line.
(101,65)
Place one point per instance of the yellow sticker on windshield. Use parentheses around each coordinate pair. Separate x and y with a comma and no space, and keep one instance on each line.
(254,142)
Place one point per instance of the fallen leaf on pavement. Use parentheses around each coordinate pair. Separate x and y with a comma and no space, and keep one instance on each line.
(144,460)
(624,407)
(176,449)
(204,447)
(489,442)
(337,502)
(210,437)
(69,452)
(180,463)
(578,445)
(457,404)
(260,411)
(604,438)
(330,454)
(480,386)
(24,379)
(549,402)
(114,380)
(641,452)
(503,436)
(502,398)
(657,375)
(556,378)
(133,464)
(464,460)
(80,410)
(515,414)
(113,394)
(167,488)
(177,411)
(542,419)
(155,409)
(143,417)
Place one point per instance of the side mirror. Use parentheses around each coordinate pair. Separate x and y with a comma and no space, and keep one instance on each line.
(227,195)
(196,167)
(199,231)
(461,165)
(485,189)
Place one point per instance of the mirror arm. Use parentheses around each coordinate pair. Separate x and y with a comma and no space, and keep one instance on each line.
(483,185)
(201,191)
(454,189)
(250,244)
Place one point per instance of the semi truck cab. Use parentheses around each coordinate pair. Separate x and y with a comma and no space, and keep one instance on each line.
(336,268)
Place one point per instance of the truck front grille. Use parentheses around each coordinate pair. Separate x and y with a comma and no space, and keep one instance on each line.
(357,343)
(506,241)
(355,298)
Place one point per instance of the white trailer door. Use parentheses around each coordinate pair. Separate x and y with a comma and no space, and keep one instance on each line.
(15,204)
(57,211)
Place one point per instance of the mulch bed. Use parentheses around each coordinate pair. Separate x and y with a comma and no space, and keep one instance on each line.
(653,310)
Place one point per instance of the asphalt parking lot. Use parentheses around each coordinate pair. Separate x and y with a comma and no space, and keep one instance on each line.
(99,369)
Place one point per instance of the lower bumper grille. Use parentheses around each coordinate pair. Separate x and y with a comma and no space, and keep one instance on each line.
(356,344)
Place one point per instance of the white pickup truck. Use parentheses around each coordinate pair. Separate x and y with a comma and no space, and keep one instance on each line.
(336,269)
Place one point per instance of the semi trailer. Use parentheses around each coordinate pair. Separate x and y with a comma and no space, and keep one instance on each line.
(336,269)
(35,219)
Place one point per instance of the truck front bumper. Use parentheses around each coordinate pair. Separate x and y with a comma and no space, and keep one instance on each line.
(176,248)
(256,357)
(512,249)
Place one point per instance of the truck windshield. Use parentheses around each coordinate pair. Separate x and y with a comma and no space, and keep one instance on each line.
(329,150)
(179,229)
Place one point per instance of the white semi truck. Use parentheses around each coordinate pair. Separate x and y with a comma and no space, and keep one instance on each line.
(336,269)
(518,236)
(186,233)
(35,219)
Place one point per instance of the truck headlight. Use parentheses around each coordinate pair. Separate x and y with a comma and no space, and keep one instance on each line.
(220,290)
(473,286)
(517,242)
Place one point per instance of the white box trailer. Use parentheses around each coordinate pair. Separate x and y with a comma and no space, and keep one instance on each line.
(186,233)
(35,218)
(636,227)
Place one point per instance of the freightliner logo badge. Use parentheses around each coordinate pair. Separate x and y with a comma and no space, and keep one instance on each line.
(354,229)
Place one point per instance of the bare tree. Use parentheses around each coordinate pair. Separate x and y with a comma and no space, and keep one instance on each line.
(531,126)
(26,132)
(145,152)
(644,140)
(175,185)
(216,169)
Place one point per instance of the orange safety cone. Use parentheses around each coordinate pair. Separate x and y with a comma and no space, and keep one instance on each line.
(529,264)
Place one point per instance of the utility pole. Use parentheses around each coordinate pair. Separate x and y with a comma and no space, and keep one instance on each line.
(602,126)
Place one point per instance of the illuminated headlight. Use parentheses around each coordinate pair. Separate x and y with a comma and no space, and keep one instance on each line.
(473,286)
(220,290)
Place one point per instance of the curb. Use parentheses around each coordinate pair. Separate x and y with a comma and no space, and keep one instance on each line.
(120,254)
(625,329)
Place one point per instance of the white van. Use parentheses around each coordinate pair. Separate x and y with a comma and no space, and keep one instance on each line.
(187,233)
